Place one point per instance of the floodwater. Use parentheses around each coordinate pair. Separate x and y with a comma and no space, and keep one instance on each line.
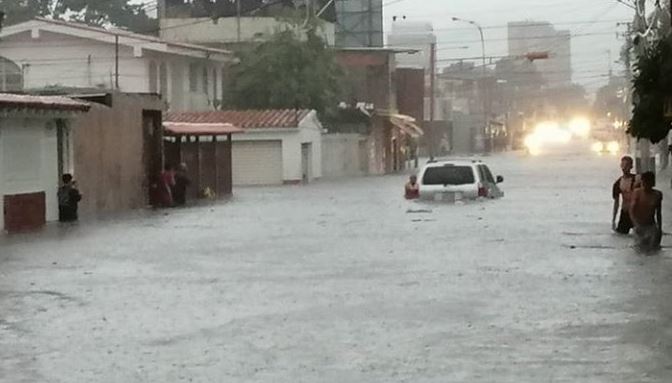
(344,281)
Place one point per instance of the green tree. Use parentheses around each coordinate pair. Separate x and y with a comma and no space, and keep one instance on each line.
(120,13)
(287,72)
(651,86)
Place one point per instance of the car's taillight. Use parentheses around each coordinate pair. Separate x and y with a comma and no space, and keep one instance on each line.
(482,191)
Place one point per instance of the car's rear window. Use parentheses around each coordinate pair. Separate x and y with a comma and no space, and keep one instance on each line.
(448,175)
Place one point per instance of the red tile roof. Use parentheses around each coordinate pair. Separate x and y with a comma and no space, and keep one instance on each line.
(246,119)
(8,100)
(200,129)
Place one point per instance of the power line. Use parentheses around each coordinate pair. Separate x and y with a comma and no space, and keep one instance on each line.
(68,43)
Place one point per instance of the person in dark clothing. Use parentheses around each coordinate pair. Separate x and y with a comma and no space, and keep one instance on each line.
(68,199)
(181,183)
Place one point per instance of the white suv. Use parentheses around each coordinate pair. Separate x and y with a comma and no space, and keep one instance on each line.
(454,180)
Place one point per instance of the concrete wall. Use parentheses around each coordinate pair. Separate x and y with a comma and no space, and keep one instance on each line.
(292,139)
(464,133)
(29,160)
(375,147)
(57,59)
(225,31)
(342,155)
(109,156)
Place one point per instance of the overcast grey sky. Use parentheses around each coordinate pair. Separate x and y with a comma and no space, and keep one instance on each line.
(592,21)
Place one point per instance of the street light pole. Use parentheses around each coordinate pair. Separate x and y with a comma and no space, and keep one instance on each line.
(486,112)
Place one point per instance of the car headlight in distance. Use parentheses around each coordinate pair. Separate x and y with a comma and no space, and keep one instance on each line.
(580,127)
(597,147)
(613,147)
(533,144)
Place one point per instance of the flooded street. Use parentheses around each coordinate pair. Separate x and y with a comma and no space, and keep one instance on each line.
(344,281)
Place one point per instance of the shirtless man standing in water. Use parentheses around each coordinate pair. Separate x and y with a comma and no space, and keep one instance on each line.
(622,193)
(646,213)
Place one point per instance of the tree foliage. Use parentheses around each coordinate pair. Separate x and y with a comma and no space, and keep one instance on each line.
(652,84)
(120,13)
(287,71)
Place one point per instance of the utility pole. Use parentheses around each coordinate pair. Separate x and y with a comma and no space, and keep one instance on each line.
(116,62)
(486,106)
(238,14)
(370,23)
(627,102)
(640,27)
(432,98)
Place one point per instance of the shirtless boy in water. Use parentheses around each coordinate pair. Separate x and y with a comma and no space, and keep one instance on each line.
(646,213)
(622,192)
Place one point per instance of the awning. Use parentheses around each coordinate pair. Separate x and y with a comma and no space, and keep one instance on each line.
(406,124)
(199,129)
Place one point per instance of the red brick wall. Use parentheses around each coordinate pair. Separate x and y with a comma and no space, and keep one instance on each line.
(411,92)
(368,78)
(24,212)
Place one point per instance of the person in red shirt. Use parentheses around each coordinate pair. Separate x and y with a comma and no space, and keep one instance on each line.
(166,184)
(412,189)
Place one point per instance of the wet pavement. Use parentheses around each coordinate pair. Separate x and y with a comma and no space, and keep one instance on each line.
(346,282)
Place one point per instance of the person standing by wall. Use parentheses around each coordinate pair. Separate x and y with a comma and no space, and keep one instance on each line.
(68,199)
(182,181)
(166,184)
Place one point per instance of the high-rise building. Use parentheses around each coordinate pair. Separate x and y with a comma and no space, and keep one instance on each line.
(360,23)
(414,35)
(531,36)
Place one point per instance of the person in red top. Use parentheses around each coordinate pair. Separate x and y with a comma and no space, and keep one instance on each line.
(412,189)
(166,184)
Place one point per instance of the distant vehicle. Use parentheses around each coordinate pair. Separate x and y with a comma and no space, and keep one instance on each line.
(454,180)
(605,139)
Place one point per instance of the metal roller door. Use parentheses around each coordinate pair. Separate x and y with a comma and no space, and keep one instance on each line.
(257,163)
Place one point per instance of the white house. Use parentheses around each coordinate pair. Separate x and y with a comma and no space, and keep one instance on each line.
(225,31)
(35,150)
(278,146)
(43,52)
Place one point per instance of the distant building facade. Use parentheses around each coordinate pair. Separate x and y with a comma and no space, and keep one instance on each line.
(531,36)
(415,35)
(360,23)
(223,25)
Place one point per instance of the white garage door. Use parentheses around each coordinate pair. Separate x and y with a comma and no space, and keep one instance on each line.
(257,162)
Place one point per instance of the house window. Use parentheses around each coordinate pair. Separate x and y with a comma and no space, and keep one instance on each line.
(11,76)
(153,73)
(205,80)
(193,77)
